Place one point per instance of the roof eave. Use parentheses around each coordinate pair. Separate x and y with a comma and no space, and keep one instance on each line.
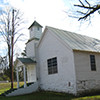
(86,51)
(23,60)
(32,39)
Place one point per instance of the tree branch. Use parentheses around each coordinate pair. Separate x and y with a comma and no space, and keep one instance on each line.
(87,7)
(90,9)
(18,38)
(87,2)
(91,12)
(81,2)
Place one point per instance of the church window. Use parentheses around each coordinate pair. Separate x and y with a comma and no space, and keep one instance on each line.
(93,64)
(52,65)
(38,28)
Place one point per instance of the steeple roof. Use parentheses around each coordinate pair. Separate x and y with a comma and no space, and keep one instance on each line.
(35,23)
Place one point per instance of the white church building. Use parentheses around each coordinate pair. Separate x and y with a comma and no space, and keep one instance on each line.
(58,60)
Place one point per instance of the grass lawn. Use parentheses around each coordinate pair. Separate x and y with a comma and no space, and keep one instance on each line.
(42,95)
(49,96)
(89,98)
(6,86)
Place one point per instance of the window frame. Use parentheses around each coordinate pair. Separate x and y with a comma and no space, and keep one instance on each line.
(93,62)
(52,65)
(38,28)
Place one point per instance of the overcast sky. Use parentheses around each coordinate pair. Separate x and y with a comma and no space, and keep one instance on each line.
(52,13)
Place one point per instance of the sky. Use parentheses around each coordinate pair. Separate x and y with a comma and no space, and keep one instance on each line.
(52,13)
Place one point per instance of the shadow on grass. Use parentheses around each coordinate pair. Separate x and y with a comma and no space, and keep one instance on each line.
(43,95)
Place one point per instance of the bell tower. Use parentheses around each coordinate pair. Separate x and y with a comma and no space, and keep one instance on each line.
(35,30)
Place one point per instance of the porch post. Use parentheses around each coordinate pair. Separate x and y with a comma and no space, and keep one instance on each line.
(17,77)
(24,76)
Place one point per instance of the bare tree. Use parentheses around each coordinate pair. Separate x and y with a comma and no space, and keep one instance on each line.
(85,9)
(10,20)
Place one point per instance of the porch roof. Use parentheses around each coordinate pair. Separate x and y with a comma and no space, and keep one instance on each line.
(26,60)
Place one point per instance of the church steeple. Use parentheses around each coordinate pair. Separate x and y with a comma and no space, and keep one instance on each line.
(35,30)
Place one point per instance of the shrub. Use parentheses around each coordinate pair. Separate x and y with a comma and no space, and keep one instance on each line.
(4,77)
(1,79)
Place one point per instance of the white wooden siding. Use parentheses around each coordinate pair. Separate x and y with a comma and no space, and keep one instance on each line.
(34,32)
(51,47)
(30,49)
(86,79)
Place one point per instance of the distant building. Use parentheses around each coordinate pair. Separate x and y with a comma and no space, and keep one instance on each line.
(3,64)
(1,67)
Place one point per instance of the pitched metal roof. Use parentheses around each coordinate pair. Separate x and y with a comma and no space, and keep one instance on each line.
(26,60)
(77,41)
(35,23)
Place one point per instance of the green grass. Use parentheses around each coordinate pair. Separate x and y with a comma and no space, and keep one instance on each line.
(6,86)
(49,96)
(43,95)
(40,96)
(88,98)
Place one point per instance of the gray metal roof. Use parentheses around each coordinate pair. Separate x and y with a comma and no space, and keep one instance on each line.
(26,60)
(77,41)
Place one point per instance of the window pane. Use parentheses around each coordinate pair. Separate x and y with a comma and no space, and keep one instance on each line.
(52,65)
(92,61)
